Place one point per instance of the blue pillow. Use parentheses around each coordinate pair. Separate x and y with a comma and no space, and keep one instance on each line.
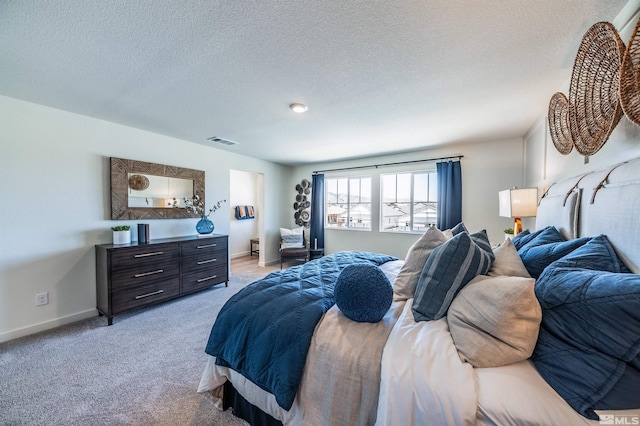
(547,233)
(363,293)
(516,239)
(598,255)
(538,257)
(447,270)
(544,236)
(590,330)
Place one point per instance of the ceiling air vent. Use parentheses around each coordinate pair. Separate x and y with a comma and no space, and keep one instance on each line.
(221,141)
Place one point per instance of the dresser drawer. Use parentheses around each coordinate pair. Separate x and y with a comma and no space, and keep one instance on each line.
(129,298)
(204,247)
(142,257)
(145,273)
(204,261)
(203,279)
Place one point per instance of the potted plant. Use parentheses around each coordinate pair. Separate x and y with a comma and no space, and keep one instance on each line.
(508,233)
(121,234)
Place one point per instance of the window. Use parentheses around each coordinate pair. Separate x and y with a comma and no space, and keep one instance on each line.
(348,203)
(409,201)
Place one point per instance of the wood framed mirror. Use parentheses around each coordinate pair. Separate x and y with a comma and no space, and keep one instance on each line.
(142,190)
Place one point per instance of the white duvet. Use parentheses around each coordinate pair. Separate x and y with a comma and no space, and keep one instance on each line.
(423,381)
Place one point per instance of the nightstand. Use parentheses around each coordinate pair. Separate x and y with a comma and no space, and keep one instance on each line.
(316,253)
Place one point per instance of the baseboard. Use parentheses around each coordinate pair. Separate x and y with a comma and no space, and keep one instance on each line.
(241,254)
(47,325)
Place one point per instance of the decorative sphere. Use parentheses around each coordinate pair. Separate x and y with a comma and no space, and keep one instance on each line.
(363,293)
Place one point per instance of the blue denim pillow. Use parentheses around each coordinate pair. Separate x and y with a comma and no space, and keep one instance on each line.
(447,270)
(549,234)
(590,331)
(543,236)
(537,257)
(598,254)
(516,239)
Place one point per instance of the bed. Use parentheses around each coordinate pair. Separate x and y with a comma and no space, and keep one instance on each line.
(544,329)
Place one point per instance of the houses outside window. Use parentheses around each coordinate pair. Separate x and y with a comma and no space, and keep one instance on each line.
(348,203)
(409,201)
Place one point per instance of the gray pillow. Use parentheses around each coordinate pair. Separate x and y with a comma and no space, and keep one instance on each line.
(494,321)
(405,283)
(449,268)
(507,261)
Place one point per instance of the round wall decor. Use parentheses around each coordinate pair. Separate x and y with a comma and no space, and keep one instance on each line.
(302,204)
(630,78)
(558,117)
(594,103)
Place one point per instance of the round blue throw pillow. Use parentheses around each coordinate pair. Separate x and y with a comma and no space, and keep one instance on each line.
(363,293)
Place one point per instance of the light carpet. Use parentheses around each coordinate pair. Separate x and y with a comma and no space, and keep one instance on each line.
(142,370)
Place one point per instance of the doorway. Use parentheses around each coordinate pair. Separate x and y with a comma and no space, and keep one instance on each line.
(247,194)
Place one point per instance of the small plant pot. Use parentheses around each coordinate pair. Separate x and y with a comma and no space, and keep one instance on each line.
(121,237)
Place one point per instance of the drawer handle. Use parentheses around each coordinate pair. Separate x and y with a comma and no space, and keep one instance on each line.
(153,293)
(149,254)
(206,246)
(207,279)
(202,262)
(144,274)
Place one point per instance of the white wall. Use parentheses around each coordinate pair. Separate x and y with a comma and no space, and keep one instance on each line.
(244,191)
(486,169)
(54,177)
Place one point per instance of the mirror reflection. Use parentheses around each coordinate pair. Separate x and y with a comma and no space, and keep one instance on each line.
(143,190)
(146,190)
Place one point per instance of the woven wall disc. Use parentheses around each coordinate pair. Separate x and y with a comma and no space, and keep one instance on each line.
(138,182)
(559,123)
(594,102)
(630,78)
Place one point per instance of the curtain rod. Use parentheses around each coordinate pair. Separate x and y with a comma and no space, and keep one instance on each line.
(389,164)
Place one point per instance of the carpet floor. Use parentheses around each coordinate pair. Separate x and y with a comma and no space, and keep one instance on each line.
(142,370)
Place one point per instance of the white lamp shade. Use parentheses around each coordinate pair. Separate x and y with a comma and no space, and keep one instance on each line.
(518,202)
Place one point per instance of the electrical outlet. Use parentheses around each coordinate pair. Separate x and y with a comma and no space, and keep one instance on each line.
(42,299)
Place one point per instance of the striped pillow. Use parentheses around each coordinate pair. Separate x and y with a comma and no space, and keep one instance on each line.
(482,240)
(459,228)
(405,283)
(292,238)
(449,268)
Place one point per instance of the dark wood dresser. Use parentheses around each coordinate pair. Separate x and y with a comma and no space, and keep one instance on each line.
(132,275)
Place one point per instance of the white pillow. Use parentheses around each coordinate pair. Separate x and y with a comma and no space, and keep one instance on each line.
(507,262)
(405,283)
(292,238)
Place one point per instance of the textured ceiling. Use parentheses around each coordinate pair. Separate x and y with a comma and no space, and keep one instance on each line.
(379,76)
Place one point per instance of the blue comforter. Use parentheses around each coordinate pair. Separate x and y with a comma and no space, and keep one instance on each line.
(264,331)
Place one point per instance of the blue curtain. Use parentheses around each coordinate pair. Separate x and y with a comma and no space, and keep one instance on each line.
(449,194)
(317,211)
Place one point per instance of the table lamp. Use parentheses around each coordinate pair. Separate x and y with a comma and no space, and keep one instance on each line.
(518,203)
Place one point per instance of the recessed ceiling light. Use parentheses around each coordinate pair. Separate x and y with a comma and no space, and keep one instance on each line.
(299,108)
